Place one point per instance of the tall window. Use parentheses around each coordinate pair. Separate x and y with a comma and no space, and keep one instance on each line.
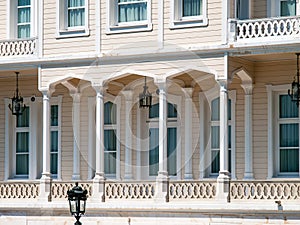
(191,8)
(23,18)
(215,136)
(287,7)
(171,140)
(288,126)
(132,10)
(110,138)
(242,9)
(76,13)
(22,144)
(54,139)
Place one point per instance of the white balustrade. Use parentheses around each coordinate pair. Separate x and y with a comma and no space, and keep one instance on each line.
(18,47)
(267,28)
(126,190)
(19,190)
(59,189)
(264,190)
(192,190)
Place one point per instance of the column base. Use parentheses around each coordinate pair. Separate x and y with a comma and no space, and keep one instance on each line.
(162,187)
(98,194)
(188,176)
(223,186)
(75,177)
(248,176)
(45,188)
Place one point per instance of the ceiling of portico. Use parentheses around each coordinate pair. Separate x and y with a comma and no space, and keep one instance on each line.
(268,57)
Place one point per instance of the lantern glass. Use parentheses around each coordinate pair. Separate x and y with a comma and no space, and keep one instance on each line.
(73,207)
(82,206)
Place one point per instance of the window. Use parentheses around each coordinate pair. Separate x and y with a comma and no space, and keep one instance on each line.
(283,8)
(110,139)
(215,136)
(22,144)
(129,16)
(54,140)
(242,9)
(24,19)
(288,130)
(171,140)
(188,13)
(73,18)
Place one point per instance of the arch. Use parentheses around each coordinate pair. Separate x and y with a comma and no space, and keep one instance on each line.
(179,71)
(247,81)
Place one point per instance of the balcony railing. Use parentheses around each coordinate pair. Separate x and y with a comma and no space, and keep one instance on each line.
(19,190)
(255,30)
(20,47)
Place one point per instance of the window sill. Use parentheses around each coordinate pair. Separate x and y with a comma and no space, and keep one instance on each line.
(187,23)
(129,27)
(68,33)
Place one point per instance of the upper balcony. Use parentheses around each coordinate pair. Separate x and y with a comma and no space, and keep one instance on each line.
(276,30)
(18,47)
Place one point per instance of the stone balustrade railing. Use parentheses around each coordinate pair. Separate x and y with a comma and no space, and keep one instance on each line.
(253,30)
(265,190)
(19,47)
(19,190)
(59,189)
(129,190)
(192,190)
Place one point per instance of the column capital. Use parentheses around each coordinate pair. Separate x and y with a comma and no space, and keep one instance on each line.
(188,92)
(248,87)
(76,97)
(223,84)
(100,89)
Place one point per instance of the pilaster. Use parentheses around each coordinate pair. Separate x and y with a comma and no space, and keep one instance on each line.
(188,121)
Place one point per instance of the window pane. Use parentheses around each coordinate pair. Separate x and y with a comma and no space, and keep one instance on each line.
(288,8)
(110,140)
(54,141)
(153,151)
(53,163)
(75,3)
(172,110)
(243,9)
(110,162)
(171,151)
(229,136)
(110,113)
(22,161)
(23,2)
(76,17)
(154,111)
(24,15)
(287,108)
(215,161)
(289,135)
(23,120)
(128,12)
(22,142)
(215,137)
(215,110)
(289,160)
(192,7)
(54,115)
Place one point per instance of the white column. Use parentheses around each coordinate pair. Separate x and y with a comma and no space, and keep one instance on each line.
(99,179)
(45,182)
(223,129)
(76,136)
(91,138)
(188,134)
(128,134)
(162,179)
(201,136)
(248,174)
(162,171)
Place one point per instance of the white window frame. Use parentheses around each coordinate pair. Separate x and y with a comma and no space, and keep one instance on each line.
(113,26)
(171,123)
(273,131)
(273,8)
(210,96)
(57,101)
(179,21)
(35,132)
(12,10)
(62,29)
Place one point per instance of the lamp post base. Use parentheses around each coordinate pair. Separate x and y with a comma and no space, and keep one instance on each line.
(77,223)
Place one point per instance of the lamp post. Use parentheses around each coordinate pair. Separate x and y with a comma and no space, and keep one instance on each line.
(77,199)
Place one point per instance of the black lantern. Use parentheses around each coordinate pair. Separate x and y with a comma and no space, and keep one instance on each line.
(17,106)
(294,92)
(145,97)
(77,199)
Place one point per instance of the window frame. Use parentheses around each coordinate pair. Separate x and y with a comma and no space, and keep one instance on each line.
(273,8)
(177,20)
(171,123)
(114,27)
(62,28)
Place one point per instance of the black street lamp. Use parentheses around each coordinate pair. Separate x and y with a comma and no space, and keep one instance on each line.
(77,199)
(145,97)
(294,92)
(17,106)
